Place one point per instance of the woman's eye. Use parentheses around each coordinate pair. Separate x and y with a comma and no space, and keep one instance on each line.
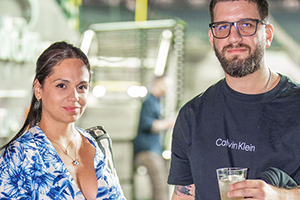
(83,87)
(61,85)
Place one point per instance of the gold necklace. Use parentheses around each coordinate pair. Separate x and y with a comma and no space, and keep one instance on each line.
(75,161)
(269,80)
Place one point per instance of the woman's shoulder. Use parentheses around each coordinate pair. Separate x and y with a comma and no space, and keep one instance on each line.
(25,144)
(87,135)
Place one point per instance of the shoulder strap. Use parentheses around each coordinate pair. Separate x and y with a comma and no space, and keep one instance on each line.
(104,142)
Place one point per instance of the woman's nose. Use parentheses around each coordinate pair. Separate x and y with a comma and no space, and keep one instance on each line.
(73,96)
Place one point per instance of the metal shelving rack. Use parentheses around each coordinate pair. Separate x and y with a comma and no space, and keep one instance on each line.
(125,53)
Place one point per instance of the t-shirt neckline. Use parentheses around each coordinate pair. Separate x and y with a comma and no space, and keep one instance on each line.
(254,97)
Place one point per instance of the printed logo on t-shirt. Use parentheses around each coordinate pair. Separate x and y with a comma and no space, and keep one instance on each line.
(243,146)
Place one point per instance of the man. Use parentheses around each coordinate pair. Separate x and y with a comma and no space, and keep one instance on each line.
(251,118)
(149,142)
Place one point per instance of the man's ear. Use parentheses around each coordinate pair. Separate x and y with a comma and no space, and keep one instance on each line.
(269,34)
(211,38)
(37,89)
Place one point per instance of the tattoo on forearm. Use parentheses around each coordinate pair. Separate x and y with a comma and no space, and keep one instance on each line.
(184,190)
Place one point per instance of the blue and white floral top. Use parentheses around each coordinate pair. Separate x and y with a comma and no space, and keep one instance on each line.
(30,168)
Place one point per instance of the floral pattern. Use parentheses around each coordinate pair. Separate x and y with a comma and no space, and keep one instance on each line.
(30,168)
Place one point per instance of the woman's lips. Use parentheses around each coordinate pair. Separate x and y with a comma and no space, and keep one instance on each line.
(71,109)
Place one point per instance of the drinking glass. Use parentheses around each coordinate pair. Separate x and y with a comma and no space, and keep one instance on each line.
(227,176)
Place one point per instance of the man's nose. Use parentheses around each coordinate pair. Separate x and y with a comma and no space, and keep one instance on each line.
(234,36)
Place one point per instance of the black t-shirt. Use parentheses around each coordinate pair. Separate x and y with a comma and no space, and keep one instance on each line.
(223,128)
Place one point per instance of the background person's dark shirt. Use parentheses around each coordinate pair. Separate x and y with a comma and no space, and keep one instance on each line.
(145,139)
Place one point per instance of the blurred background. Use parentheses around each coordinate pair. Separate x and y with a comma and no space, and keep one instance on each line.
(128,42)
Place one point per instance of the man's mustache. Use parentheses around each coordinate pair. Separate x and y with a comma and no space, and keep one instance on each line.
(232,46)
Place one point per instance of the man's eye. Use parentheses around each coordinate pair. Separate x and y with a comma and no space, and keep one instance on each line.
(246,25)
(222,27)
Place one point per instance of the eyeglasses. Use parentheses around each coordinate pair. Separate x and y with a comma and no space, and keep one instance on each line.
(245,27)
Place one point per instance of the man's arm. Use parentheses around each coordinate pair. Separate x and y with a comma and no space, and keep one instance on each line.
(162,124)
(184,192)
(290,194)
(260,190)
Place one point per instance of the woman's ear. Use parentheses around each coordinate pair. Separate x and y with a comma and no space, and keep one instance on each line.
(270,34)
(37,89)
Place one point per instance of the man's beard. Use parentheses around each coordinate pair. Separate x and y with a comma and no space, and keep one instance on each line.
(236,67)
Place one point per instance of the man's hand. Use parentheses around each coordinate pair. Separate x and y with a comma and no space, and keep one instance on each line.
(260,190)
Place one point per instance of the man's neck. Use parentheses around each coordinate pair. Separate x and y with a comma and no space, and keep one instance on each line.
(258,82)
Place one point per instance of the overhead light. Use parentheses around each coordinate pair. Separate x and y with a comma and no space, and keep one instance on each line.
(87,41)
(163,52)
(137,91)
(167,154)
(99,91)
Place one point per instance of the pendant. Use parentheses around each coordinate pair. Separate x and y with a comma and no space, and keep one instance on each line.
(75,162)
(66,152)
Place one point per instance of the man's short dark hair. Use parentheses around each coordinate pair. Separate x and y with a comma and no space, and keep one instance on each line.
(262,5)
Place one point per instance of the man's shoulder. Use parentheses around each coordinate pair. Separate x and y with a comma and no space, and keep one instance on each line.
(288,87)
(207,96)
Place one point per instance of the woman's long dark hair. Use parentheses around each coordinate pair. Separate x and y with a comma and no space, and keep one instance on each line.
(52,56)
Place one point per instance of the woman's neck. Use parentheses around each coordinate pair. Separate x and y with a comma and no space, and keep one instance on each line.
(60,132)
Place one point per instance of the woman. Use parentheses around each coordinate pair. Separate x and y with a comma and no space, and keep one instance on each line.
(50,158)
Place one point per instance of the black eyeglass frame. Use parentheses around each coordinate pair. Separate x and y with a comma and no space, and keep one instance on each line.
(212,26)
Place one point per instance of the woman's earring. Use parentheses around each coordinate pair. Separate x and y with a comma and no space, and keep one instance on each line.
(37,104)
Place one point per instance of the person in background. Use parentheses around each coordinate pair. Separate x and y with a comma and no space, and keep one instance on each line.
(51,158)
(250,118)
(149,142)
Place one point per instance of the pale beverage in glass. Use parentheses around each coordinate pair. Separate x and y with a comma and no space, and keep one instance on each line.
(228,176)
